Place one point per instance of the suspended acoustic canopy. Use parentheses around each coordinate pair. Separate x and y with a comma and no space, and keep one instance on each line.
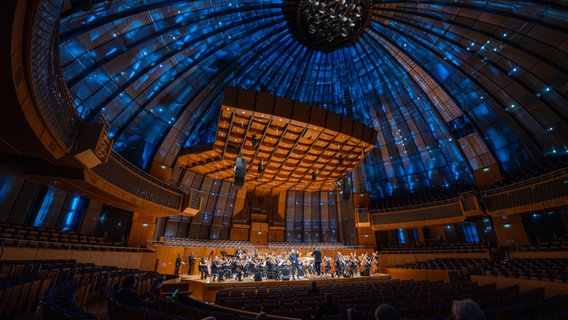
(285,144)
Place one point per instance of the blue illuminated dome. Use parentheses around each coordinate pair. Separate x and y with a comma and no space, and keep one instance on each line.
(454,88)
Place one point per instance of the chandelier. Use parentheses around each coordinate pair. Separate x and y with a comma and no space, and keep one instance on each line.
(329,24)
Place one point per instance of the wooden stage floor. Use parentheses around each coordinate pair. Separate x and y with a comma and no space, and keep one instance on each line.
(205,290)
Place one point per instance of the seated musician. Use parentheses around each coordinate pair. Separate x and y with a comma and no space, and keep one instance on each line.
(353,265)
(270,269)
(340,265)
(226,267)
(217,271)
(203,268)
(236,269)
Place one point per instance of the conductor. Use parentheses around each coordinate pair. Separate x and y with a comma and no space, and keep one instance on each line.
(317,260)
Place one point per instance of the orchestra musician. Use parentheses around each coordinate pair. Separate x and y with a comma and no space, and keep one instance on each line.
(340,264)
(293,258)
(375,263)
(285,265)
(216,271)
(236,269)
(317,260)
(352,267)
(204,268)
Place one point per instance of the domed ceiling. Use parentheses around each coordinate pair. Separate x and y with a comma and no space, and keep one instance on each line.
(452,87)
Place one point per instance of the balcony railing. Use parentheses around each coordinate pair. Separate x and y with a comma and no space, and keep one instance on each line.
(53,99)
(56,105)
(425,213)
(122,174)
(530,192)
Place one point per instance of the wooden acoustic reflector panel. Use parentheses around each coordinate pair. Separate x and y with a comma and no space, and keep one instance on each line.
(285,144)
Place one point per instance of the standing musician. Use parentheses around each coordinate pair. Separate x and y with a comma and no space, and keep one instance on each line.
(190,263)
(317,260)
(293,258)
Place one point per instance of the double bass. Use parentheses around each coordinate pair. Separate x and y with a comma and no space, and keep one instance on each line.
(375,265)
(324,266)
(363,264)
(333,266)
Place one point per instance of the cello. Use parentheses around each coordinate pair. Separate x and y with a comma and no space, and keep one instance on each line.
(333,266)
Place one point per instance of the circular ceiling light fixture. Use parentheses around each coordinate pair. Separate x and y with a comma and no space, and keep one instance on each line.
(326,25)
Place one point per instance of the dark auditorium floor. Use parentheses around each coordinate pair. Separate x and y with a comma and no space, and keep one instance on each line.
(98,308)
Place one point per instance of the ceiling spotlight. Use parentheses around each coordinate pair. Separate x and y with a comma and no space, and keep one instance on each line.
(261,166)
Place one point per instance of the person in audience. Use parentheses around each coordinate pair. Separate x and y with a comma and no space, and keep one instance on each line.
(128,294)
(155,292)
(329,307)
(467,309)
(386,312)
(314,289)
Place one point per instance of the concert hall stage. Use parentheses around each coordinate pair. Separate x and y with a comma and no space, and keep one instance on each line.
(205,290)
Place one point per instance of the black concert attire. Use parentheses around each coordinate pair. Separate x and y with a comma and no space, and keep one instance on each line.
(178,264)
(217,270)
(235,269)
(271,272)
(327,266)
(354,267)
(203,269)
(293,258)
(367,270)
(339,266)
(317,260)
(190,262)
(227,268)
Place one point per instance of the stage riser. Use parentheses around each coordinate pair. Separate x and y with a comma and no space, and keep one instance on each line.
(206,291)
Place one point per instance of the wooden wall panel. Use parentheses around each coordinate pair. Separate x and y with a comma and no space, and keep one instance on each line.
(283,107)
(230,96)
(246,99)
(301,112)
(265,103)
(318,117)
